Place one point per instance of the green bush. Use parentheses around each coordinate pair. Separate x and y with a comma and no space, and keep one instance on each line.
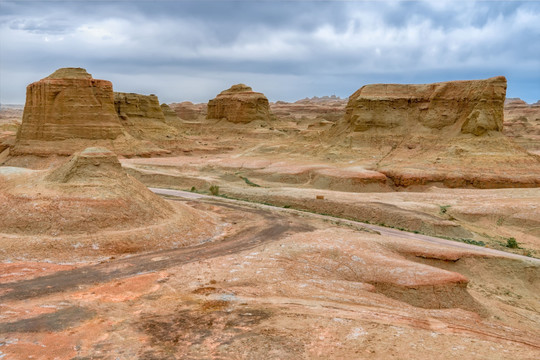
(214,190)
(511,243)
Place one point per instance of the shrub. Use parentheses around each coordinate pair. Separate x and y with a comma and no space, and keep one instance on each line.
(511,243)
(443,208)
(214,190)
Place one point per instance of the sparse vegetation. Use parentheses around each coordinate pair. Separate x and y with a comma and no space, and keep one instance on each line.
(193,189)
(511,243)
(249,182)
(214,190)
(443,209)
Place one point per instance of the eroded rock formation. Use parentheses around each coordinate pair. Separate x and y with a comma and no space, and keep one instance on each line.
(239,104)
(142,116)
(89,202)
(68,111)
(69,104)
(472,106)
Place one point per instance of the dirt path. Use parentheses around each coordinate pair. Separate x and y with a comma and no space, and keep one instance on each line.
(380,229)
(270,227)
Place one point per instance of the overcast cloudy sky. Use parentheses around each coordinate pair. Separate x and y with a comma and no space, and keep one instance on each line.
(191,50)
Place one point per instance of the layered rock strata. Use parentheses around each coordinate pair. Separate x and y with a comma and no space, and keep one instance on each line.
(89,202)
(142,116)
(468,107)
(68,111)
(239,104)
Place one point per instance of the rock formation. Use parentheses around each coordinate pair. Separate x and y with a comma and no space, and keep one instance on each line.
(522,124)
(69,104)
(186,110)
(239,104)
(142,116)
(89,200)
(473,106)
(68,111)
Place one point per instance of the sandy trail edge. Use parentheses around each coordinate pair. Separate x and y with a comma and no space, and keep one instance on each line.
(382,230)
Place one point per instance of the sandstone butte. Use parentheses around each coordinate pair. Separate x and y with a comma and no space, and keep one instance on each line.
(68,111)
(468,107)
(143,116)
(239,104)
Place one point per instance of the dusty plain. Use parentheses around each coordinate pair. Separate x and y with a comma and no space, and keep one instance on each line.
(285,237)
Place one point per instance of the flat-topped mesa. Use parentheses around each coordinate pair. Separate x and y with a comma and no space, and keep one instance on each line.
(471,106)
(239,104)
(69,104)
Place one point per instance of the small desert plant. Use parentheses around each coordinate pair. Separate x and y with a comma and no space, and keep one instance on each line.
(249,182)
(511,243)
(214,190)
(443,209)
(193,189)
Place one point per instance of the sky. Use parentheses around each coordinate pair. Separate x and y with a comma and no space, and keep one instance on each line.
(288,50)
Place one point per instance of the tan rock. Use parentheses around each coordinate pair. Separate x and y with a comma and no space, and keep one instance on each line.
(142,116)
(186,110)
(69,104)
(69,111)
(239,104)
(473,106)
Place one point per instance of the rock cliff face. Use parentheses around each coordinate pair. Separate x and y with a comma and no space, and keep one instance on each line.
(142,116)
(68,111)
(69,104)
(186,110)
(473,106)
(239,104)
(522,124)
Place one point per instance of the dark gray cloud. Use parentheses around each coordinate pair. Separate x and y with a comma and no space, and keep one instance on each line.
(191,50)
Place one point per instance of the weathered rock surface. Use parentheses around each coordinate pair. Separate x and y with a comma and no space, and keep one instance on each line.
(522,123)
(68,111)
(186,110)
(239,104)
(88,202)
(469,107)
(69,104)
(142,116)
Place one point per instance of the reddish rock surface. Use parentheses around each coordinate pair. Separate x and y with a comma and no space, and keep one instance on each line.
(239,104)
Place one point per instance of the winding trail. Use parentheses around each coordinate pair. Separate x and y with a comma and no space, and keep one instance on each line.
(380,229)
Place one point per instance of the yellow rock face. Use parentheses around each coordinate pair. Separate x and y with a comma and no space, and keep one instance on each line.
(239,104)
(473,106)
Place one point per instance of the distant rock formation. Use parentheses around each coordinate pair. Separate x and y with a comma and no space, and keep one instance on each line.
(68,111)
(142,116)
(186,110)
(522,123)
(472,106)
(239,104)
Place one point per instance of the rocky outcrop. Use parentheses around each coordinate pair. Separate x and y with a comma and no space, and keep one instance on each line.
(142,116)
(69,104)
(468,107)
(239,104)
(186,110)
(522,123)
(68,111)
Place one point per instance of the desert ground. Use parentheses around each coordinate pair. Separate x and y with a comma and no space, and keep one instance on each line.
(401,223)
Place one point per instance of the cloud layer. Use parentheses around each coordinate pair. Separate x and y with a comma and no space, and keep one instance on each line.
(191,50)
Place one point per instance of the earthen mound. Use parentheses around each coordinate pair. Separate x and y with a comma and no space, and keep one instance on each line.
(239,104)
(89,204)
(186,110)
(68,111)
